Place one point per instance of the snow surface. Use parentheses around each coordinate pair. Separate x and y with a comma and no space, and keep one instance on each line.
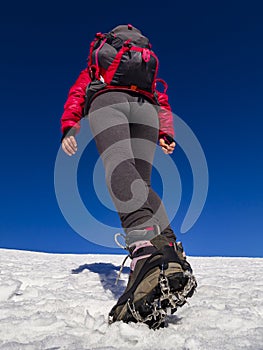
(61,301)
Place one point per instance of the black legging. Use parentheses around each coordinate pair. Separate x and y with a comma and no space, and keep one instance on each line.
(125,128)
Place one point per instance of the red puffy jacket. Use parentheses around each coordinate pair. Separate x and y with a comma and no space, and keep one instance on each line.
(73,108)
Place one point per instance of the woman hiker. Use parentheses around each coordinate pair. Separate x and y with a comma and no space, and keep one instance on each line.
(117,91)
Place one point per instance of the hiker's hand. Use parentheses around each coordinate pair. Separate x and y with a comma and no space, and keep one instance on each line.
(69,145)
(167,148)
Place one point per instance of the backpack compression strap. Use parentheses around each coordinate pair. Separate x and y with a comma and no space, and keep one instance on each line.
(94,68)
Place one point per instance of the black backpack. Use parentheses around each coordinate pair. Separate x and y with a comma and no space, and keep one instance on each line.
(123,58)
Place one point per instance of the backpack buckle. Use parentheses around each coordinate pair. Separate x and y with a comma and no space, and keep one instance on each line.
(146,55)
(127,43)
(93,72)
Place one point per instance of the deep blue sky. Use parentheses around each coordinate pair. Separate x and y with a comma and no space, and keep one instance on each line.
(210,54)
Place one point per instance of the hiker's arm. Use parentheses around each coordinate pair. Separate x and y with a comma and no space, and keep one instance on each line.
(166,126)
(73,108)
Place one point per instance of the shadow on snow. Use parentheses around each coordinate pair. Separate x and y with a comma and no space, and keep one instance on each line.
(108,274)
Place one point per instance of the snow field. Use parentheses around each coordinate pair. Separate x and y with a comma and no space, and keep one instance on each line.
(60,301)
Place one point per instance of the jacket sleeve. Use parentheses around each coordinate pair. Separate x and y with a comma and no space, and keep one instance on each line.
(73,108)
(166,126)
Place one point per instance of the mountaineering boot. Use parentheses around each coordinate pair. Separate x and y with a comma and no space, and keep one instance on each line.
(160,279)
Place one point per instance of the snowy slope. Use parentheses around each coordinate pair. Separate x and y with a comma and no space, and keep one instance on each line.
(53,301)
